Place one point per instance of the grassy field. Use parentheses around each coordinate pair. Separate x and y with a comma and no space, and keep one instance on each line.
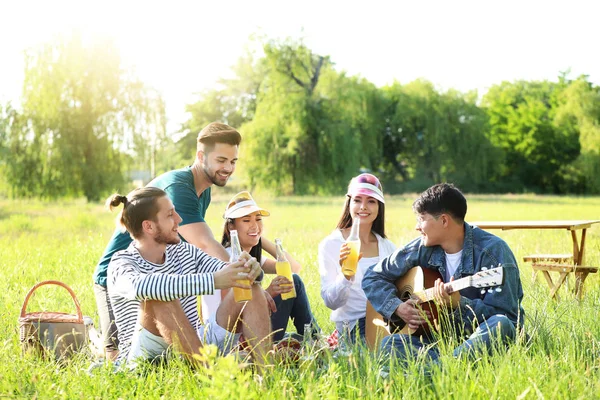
(63,240)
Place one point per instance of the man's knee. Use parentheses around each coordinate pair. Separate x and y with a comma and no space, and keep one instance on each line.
(499,325)
(155,315)
(394,345)
(387,343)
(154,312)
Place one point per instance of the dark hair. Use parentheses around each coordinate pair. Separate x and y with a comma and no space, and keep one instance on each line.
(138,206)
(255,251)
(217,132)
(443,198)
(378,225)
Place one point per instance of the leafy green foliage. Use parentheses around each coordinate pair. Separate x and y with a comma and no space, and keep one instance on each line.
(523,123)
(20,154)
(441,136)
(314,128)
(579,110)
(307,127)
(234,103)
(80,112)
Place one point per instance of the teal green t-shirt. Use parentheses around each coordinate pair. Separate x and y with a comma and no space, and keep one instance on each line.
(179,186)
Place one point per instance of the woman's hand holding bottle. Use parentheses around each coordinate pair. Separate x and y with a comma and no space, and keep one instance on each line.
(280,284)
(344,253)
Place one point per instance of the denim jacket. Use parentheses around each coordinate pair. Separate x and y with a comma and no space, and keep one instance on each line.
(480,249)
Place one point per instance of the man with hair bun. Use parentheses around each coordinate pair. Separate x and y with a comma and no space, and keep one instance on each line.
(153,285)
(189,189)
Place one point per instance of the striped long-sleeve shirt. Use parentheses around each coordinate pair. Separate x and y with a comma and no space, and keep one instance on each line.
(186,273)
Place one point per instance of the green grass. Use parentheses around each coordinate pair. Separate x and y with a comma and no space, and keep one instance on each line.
(63,240)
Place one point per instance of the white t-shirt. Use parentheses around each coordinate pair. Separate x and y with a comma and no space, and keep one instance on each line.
(210,302)
(452,263)
(345,297)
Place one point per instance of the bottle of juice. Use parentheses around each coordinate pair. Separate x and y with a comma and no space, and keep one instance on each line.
(353,241)
(283,268)
(239,294)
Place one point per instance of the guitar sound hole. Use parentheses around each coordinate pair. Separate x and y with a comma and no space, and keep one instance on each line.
(405,295)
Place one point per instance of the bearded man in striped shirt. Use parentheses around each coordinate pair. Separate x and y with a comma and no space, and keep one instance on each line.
(153,285)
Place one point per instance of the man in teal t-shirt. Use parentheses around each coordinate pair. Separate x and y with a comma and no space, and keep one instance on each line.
(189,189)
(179,185)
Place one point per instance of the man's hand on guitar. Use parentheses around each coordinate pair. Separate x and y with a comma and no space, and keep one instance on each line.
(412,314)
(444,295)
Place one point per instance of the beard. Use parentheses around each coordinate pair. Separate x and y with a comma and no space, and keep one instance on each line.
(212,176)
(162,238)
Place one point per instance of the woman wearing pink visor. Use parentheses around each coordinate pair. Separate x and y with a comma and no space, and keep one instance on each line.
(245,216)
(344,294)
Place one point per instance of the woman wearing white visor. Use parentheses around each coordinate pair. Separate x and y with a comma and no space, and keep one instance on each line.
(343,294)
(245,216)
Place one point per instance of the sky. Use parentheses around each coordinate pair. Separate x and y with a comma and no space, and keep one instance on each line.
(181,48)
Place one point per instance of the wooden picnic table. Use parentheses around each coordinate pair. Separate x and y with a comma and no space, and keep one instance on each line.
(578,267)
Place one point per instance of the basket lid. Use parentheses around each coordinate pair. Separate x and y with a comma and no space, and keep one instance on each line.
(49,316)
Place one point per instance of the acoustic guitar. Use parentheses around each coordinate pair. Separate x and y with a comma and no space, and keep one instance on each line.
(418,284)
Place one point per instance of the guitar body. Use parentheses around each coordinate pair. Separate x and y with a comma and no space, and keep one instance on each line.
(416,280)
(418,283)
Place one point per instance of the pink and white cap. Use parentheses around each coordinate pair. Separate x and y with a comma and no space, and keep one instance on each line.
(366,184)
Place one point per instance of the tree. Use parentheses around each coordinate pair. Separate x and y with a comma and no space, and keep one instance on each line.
(438,137)
(84,111)
(579,110)
(522,120)
(233,102)
(20,154)
(314,127)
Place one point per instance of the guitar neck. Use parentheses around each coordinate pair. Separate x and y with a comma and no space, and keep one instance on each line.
(428,294)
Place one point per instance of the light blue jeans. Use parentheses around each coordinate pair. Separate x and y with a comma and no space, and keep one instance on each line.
(497,331)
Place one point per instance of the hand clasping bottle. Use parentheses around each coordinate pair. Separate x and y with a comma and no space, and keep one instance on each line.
(283,268)
(353,241)
(240,295)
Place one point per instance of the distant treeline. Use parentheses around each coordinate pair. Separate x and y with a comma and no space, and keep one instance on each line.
(307,128)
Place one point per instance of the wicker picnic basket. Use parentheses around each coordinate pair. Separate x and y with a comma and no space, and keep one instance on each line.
(51,333)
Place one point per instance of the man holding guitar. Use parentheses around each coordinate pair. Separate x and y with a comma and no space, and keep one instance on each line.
(467,261)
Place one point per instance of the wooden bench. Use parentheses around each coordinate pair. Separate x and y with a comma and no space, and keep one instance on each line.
(547,258)
(581,272)
(558,258)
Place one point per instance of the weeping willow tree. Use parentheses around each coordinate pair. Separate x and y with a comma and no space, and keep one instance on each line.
(313,128)
(439,136)
(82,111)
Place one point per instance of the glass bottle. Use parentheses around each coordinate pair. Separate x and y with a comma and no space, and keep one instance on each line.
(283,268)
(239,294)
(353,242)
(307,334)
